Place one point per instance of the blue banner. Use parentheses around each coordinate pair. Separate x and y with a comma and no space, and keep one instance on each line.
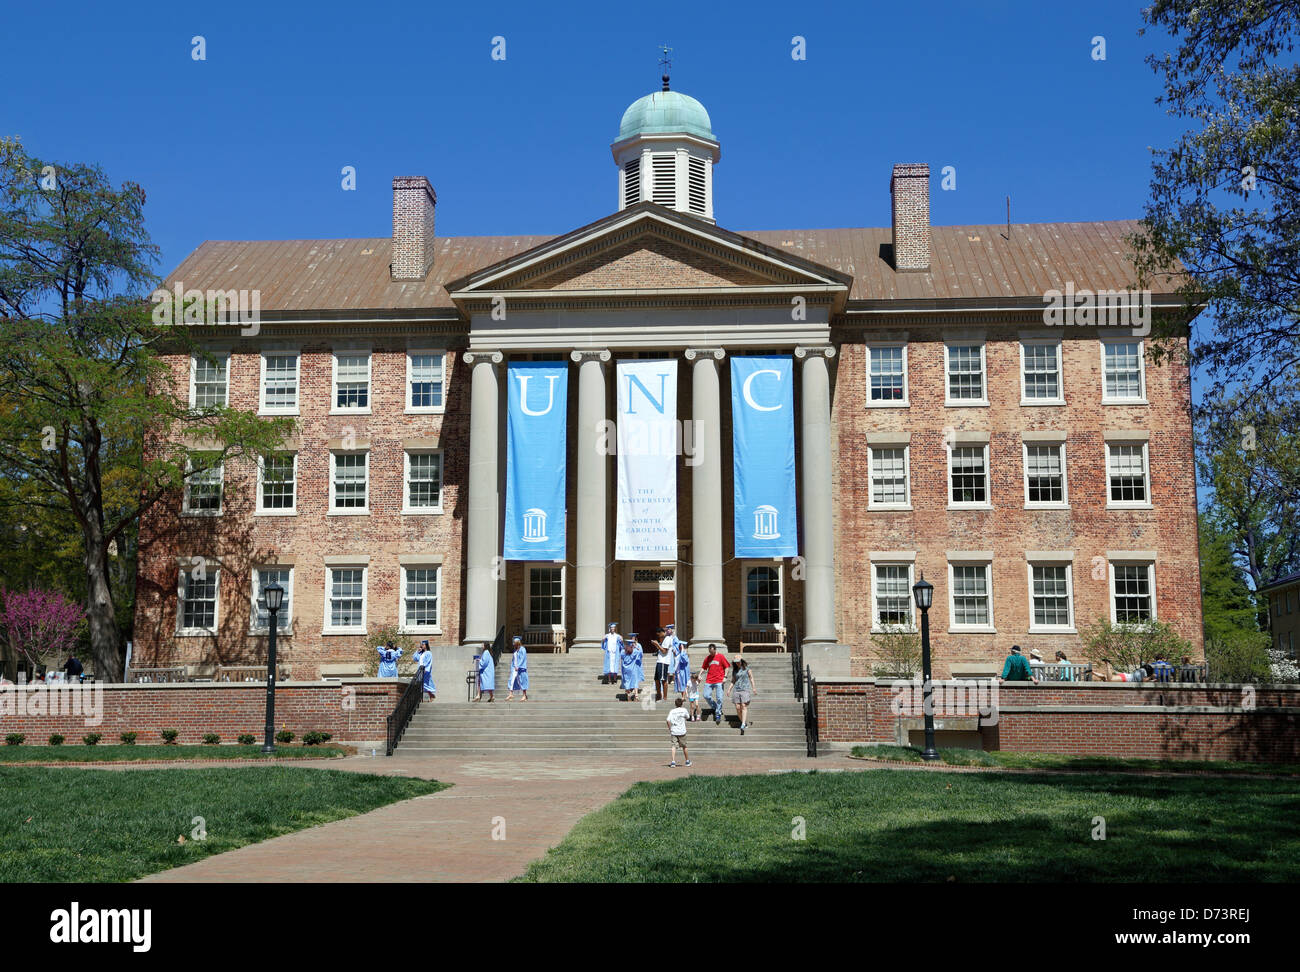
(762,424)
(536,449)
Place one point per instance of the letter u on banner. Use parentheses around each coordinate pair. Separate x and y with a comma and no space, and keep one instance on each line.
(647,460)
(762,437)
(536,450)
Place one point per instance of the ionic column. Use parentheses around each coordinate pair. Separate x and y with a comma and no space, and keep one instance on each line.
(590,583)
(818,523)
(482,529)
(706,497)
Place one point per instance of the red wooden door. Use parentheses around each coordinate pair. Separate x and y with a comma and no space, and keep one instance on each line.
(645,615)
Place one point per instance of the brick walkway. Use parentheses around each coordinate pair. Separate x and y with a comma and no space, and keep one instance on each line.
(448,836)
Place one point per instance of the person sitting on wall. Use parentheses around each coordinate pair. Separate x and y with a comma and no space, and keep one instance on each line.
(1161,670)
(1016,669)
(73,668)
(1065,673)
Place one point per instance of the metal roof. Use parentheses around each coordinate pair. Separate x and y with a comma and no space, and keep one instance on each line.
(968,263)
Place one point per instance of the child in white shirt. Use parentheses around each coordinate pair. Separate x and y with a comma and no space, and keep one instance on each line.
(693,695)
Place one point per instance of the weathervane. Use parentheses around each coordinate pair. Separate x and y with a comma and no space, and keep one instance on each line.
(666,61)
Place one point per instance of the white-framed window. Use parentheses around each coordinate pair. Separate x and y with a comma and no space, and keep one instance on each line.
(351,382)
(421,585)
(1123,372)
(1040,372)
(970,596)
(891,596)
(1128,481)
(891,487)
(210,379)
(968,475)
(196,602)
(887,374)
(1051,597)
(277,484)
(204,479)
(966,375)
(422,492)
(1132,592)
(349,482)
(1045,479)
(545,596)
(762,608)
(345,600)
(263,577)
(279,385)
(425,381)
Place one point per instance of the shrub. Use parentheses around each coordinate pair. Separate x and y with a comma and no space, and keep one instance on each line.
(1126,645)
(56,740)
(211,739)
(1284,667)
(1238,656)
(14,739)
(315,738)
(898,651)
(405,665)
(169,736)
(247,739)
(91,738)
(128,738)
(284,736)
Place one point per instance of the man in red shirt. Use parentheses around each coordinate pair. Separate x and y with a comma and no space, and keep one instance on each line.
(714,673)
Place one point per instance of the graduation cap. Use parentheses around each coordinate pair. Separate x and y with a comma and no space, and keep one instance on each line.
(613,624)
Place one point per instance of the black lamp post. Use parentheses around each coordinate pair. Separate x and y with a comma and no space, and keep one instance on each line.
(274,595)
(923,591)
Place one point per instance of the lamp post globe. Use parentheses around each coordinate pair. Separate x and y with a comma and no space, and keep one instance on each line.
(923,593)
(273,593)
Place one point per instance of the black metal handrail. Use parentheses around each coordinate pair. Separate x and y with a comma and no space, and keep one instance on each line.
(406,706)
(810,727)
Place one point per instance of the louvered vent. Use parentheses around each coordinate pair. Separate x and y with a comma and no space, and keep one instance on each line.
(696,185)
(632,182)
(665,180)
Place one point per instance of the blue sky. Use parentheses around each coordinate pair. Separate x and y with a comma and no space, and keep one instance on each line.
(249,143)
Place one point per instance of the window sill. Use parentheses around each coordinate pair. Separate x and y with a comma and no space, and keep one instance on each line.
(365,512)
(266,633)
(910,629)
(278,411)
(1056,402)
(423,511)
(343,631)
(201,514)
(1125,401)
(293,512)
(971,629)
(195,633)
(893,403)
(1129,506)
(421,631)
(349,411)
(985,507)
(1053,631)
(890,508)
(440,410)
(1047,506)
(963,404)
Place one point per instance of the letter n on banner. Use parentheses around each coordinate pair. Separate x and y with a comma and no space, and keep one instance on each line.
(646,526)
(536,449)
(762,432)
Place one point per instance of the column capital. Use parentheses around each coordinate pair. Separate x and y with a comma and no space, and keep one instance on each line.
(589,354)
(693,353)
(477,357)
(815,349)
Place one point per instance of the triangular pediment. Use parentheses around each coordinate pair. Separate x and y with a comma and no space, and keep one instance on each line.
(648,249)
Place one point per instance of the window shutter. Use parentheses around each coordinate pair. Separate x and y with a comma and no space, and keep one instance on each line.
(696,186)
(632,182)
(664,189)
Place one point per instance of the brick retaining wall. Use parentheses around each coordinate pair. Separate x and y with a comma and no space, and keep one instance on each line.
(1171,721)
(353,711)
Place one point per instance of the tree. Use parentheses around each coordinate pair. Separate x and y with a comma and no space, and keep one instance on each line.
(38,626)
(1126,645)
(91,422)
(1227,603)
(1224,197)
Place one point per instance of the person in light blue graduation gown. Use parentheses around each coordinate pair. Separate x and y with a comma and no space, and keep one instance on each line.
(424,658)
(487,674)
(633,675)
(682,672)
(613,645)
(388,656)
(672,646)
(518,670)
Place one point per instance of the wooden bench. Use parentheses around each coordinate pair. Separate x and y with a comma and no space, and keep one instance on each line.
(546,639)
(762,639)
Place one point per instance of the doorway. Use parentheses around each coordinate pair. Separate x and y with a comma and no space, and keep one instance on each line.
(654,599)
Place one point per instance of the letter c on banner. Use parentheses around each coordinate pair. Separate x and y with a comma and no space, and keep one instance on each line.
(523,395)
(749,398)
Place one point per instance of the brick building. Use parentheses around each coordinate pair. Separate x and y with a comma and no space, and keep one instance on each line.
(1041,476)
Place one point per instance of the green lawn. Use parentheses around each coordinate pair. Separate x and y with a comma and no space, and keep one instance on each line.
(1057,761)
(116,753)
(918,826)
(114,825)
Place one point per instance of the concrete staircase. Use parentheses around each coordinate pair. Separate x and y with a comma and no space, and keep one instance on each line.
(570,712)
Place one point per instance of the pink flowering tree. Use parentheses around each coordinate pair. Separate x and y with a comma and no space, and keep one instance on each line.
(40,626)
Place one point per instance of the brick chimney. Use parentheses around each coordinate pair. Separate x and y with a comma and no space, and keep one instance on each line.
(909,188)
(413,203)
